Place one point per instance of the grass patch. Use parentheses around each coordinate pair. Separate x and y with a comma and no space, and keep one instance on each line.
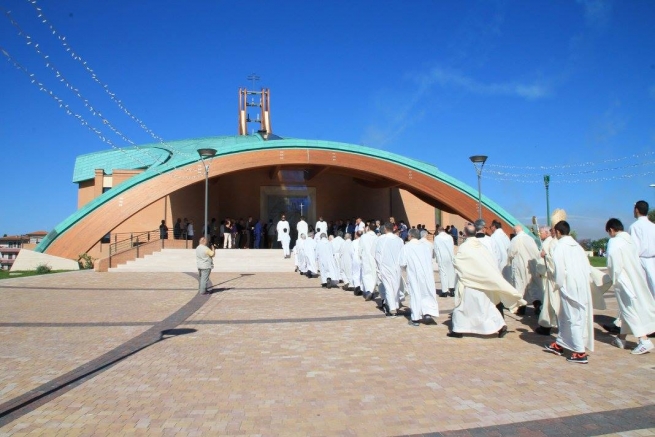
(598,261)
(6,274)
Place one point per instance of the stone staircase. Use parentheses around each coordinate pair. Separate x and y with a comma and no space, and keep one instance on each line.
(226,260)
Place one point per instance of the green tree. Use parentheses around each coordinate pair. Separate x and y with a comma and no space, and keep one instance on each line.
(651,215)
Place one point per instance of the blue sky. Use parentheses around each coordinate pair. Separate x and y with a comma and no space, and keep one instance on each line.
(565,88)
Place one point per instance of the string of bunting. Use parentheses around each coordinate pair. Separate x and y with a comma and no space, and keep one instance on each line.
(112,95)
(49,64)
(591,171)
(542,168)
(62,104)
(539,178)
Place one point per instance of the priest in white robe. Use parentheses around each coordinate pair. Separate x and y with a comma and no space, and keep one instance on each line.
(642,232)
(302,227)
(285,240)
(546,269)
(523,256)
(321,227)
(346,255)
(416,259)
(367,243)
(575,318)
(480,287)
(357,264)
(424,239)
(283,223)
(310,256)
(387,252)
(326,263)
(444,252)
(336,243)
(501,240)
(299,254)
(636,304)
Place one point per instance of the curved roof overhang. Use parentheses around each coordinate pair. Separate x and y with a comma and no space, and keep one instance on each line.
(79,232)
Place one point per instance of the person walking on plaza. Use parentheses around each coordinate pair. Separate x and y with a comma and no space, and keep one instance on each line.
(546,270)
(523,257)
(501,240)
(387,252)
(326,262)
(302,227)
(285,240)
(642,232)
(480,288)
(636,304)
(444,251)
(366,251)
(575,318)
(416,259)
(205,263)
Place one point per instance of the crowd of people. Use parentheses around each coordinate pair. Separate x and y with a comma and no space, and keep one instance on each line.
(489,274)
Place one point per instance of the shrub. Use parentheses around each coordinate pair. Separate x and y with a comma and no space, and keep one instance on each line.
(43,268)
(85,261)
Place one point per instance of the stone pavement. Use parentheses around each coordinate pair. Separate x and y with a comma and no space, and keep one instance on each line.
(87,353)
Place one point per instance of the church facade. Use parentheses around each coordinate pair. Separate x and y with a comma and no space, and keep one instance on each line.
(261,176)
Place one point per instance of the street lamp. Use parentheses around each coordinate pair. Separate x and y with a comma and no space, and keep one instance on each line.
(206,153)
(479,159)
(547,183)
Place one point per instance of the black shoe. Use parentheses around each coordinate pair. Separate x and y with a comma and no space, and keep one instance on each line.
(542,331)
(357,291)
(521,310)
(324,285)
(502,332)
(428,320)
(413,323)
(441,293)
(368,296)
(651,335)
(329,283)
(303,274)
(455,334)
(537,307)
(340,281)
(612,329)
(308,274)
(451,292)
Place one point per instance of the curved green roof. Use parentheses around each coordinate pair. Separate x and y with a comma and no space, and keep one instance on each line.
(160,158)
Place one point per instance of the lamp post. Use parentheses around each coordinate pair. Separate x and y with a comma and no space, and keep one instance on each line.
(479,159)
(206,153)
(546,184)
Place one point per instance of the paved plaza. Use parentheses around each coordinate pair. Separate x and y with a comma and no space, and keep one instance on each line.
(95,354)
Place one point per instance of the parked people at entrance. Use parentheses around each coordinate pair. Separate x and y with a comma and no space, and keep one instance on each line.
(227,235)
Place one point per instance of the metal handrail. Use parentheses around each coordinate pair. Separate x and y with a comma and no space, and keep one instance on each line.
(134,240)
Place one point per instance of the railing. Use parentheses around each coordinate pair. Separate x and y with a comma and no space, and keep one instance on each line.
(132,240)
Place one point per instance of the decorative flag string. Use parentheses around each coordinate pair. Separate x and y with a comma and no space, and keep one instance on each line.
(96,79)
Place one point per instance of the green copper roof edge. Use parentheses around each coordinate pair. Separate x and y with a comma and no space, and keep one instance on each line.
(258,144)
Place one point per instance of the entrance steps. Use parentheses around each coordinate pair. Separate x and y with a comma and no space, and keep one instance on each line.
(226,260)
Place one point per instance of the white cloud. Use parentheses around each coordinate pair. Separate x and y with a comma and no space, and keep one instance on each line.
(446,78)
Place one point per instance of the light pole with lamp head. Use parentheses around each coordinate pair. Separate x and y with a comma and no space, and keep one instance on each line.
(206,153)
(479,159)
(547,183)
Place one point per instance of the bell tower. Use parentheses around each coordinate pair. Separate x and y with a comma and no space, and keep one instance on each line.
(261,99)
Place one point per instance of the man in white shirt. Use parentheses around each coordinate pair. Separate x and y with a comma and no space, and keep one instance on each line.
(642,232)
